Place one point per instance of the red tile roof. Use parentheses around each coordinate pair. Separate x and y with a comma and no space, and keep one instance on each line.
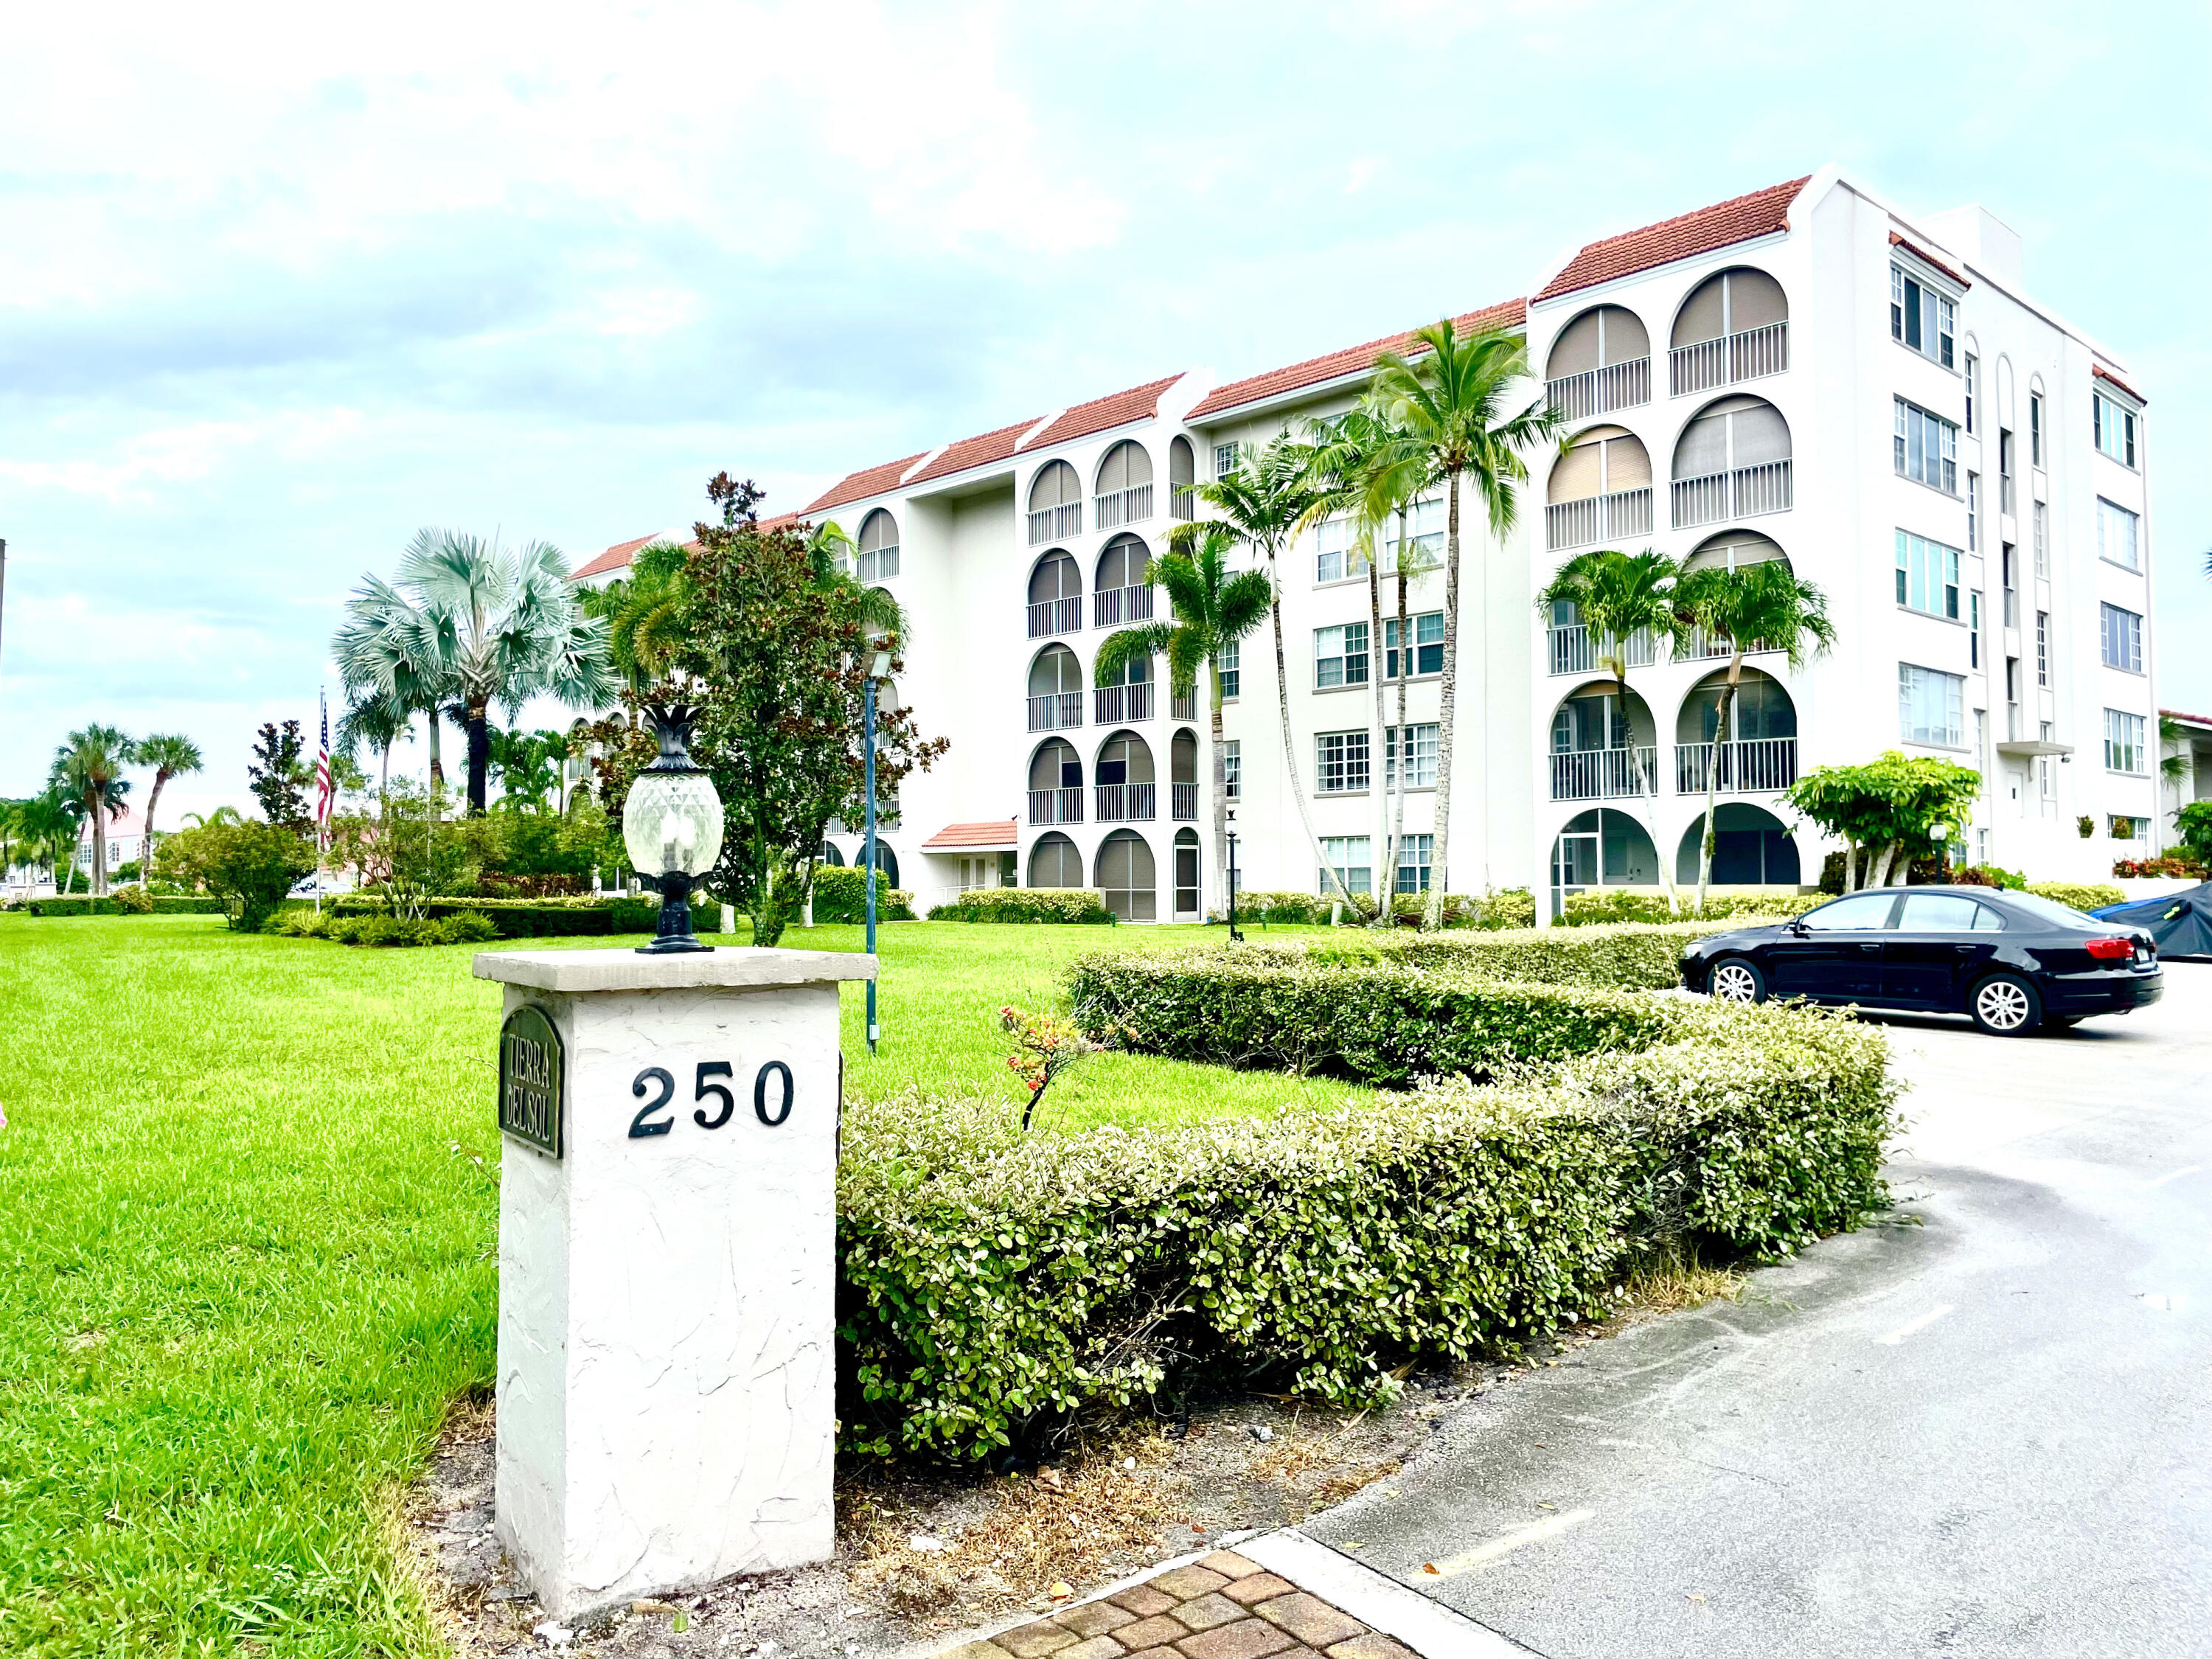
(1353,360)
(617,557)
(1137,403)
(2178,714)
(997,835)
(978,451)
(2105,374)
(859,486)
(1928,259)
(1737,220)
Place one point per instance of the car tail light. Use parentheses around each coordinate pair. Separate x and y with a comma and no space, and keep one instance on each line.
(2112,950)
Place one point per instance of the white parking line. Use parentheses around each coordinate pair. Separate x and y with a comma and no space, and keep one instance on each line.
(1506,1543)
(2176,1175)
(1911,1325)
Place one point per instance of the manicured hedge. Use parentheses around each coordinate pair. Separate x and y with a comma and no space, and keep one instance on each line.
(994,1284)
(85,905)
(543,918)
(1630,904)
(1632,956)
(840,895)
(1026,904)
(375,927)
(2080,894)
(1512,907)
(1379,1022)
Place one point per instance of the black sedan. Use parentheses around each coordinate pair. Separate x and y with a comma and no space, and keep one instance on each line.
(2011,960)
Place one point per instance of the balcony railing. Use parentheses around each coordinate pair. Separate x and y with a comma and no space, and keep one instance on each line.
(1696,646)
(1118,704)
(1051,617)
(1746,356)
(1182,802)
(1573,651)
(1052,524)
(1126,802)
(1743,493)
(1596,391)
(1111,607)
(1183,708)
(1055,711)
(1118,507)
(1183,502)
(1055,806)
(1753,766)
(1604,774)
(1623,513)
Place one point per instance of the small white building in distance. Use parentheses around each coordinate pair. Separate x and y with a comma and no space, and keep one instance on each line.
(1806,373)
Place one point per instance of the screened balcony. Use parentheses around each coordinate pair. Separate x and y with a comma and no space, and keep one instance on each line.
(1126,790)
(1055,597)
(1600,490)
(1732,462)
(1734,327)
(1056,784)
(1601,362)
(1573,649)
(1055,700)
(1124,591)
(1604,745)
(1758,755)
(1055,503)
(1124,494)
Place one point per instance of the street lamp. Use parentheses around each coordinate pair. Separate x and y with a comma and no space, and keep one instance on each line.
(672,826)
(1233,933)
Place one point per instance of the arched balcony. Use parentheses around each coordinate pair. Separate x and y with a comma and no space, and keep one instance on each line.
(1055,689)
(1127,697)
(1182,777)
(1124,486)
(879,558)
(1125,877)
(1758,754)
(1055,503)
(1732,550)
(1734,327)
(1188,906)
(1751,848)
(1732,462)
(1055,861)
(1600,490)
(1055,597)
(1127,791)
(1601,848)
(1599,362)
(1056,783)
(1124,590)
(1604,745)
(1182,480)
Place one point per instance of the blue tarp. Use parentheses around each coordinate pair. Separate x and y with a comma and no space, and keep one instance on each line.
(2180,922)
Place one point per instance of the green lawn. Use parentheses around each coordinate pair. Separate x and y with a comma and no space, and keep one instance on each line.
(248,1210)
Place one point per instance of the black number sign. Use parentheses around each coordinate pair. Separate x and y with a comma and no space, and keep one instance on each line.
(661,1083)
(638,1129)
(760,1094)
(714,1068)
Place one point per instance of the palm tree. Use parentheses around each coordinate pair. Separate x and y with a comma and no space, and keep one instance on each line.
(170,756)
(89,767)
(1267,500)
(644,614)
(1617,596)
(386,654)
(468,622)
(44,824)
(378,722)
(1213,609)
(1765,603)
(1455,400)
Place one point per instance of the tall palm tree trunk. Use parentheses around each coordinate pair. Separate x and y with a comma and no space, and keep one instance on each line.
(1432,914)
(1378,770)
(1290,744)
(146,840)
(98,850)
(479,731)
(1220,784)
(437,765)
(1405,731)
(1713,776)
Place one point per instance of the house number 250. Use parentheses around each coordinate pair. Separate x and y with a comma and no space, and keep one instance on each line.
(771,1102)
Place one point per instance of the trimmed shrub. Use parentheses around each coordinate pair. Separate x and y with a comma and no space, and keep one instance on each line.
(377,928)
(839,896)
(1037,904)
(1631,956)
(1632,904)
(992,1286)
(1512,907)
(80,905)
(558,918)
(2079,895)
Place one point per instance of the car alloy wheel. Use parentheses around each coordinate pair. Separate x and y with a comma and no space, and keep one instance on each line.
(2003,1005)
(1735,982)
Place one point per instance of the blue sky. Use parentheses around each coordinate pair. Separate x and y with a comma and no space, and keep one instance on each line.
(279,287)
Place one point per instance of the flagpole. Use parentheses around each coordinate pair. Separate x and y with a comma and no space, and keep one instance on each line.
(322,789)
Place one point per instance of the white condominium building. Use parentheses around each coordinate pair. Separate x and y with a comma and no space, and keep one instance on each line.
(1805,372)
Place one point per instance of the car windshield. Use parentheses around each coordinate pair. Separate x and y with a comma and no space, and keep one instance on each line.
(2050,912)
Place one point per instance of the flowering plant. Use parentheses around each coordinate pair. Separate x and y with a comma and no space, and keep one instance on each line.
(1045,1045)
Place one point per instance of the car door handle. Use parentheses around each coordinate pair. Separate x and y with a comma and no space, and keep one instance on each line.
(1964,950)
(1869,947)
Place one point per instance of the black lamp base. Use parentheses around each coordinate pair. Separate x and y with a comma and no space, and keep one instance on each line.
(674,934)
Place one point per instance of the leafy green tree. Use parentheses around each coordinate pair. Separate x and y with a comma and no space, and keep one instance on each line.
(88,767)
(43,826)
(1462,400)
(1765,603)
(1619,596)
(529,767)
(1266,501)
(2195,823)
(171,756)
(1894,809)
(279,777)
(249,865)
(1213,609)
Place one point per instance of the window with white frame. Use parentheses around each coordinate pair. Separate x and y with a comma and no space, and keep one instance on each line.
(1424,528)
(1225,460)
(1973,386)
(1974,630)
(1920,318)
(2126,827)
(2112,425)
(1340,763)
(2035,428)
(1414,853)
(1930,706)
(2123,741)
(2121,632)
(1341,655)
(2117,530)
(1421,755)
(2043,648)
(2046,768)
(1974,513)
(2042,519)
(1232,769)
(1348,856)
(1927,576)
(1335,558)
(1927,447)
(1428,655)
(1232,669)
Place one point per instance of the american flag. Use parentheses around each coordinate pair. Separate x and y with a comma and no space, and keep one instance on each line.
(323,793)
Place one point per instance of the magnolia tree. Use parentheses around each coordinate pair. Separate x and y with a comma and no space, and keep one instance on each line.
(1888,811)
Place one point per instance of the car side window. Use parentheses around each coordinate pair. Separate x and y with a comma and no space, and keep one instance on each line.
(1987,920)
(1860,911)
(1938,913)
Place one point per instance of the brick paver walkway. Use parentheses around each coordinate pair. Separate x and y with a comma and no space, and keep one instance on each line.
(1222,1607)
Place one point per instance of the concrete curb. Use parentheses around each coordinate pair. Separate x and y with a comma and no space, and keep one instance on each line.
(1428,1627)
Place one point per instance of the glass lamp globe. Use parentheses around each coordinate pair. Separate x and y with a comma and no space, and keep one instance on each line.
(672,827)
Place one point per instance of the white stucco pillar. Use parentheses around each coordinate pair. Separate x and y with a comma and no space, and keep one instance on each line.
(667,1266)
